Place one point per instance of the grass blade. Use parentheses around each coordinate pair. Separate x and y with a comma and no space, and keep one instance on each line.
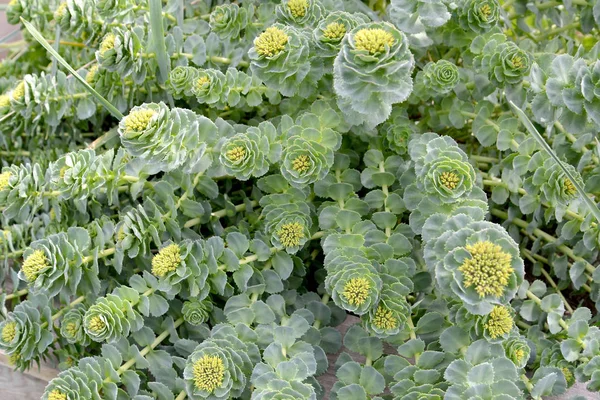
(529,126)
(158,39)
(38,36)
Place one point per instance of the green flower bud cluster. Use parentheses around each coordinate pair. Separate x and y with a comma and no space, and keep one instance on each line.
(436,79)
(79,19)
(113,316)
(281,59)
(308,148)
(390,315)
(71,327)
(19,190)
(372,72)
(331,30)
(229,20)
(478,16)
(418,16)
(26,332)
(250,154)
(549,184)
(184,268)
(165,138)
(299,13)
(352,279)
(121,51)
(503,61)
(196,312)
(287,219)
(86,381)
(475,261)
(219,366)
(54,264)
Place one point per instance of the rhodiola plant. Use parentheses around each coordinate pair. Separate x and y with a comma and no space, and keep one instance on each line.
(198,198)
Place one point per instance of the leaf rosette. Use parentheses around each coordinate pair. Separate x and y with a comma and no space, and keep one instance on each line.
(113,316)
(165,139)
(372,72)
(229,20)
(182,80)
(479,16)
(218,367)
(20,187)
(210,87)
(196,312)
(476,261)
(352,280)
(251,153)
(517,350)
(504,61)
(26,333)
(71,326)
(120,51)
(554,186)
(280,58)
(331,30)
(436,79)
(300,13)
(183,268)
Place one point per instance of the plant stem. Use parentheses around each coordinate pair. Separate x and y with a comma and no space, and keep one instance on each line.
(412,333)
(547,237)
(538,301)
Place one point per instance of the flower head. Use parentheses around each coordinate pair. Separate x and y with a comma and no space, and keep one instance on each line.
(356,291)
(235,154)
(202,82)
(34,264)
(301,163)
(9,332)
(167,260)
(208,373)
(335,31)
(4,100)
(139,119)
(373,40)
(569,187)
(19,91)
(488,269)
(108,43)
(384,319)
(499,322)
(271,42)
(96,324)
(298,7)
(90,77)
(449,179)
(569,377)
(485,11)
(60,11)
(291,234)
(4,179)
(57,395)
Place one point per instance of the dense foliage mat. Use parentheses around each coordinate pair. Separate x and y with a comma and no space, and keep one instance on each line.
(195,194)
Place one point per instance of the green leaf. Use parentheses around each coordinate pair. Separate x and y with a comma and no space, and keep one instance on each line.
(529,126)
(38,36)
(158,39)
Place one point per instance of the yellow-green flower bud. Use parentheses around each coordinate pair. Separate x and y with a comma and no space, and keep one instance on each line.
(499,322)
(298,7)
(488,269)
(60,11)
(291,234)
(449,179)
(167,260)
(334,31)
(384,319)
(271,42)
(301,163)
(19,91)
(373,40)
(57,395)
(34,264)
(108,43)
(9,332)
(4,178)
(4,101)
(139,119)
(208,373)
(570,189)
(356,291)
(96,324)
(90,77)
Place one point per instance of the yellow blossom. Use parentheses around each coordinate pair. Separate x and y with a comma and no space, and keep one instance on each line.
(488,270)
